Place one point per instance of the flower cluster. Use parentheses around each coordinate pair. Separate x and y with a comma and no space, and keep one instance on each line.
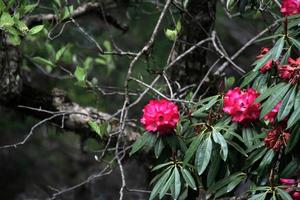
(290,71)
(273,113)
(160,115)
(241,104)
(293,183)
(276,138)
(269,64)
(290,7)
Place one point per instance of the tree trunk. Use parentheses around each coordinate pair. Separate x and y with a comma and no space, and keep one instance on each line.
(198,23)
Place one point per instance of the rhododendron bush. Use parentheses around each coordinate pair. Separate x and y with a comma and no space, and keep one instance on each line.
(242,141)
(158,99)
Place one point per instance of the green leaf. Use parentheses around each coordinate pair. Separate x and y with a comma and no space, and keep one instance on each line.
(29,8)
(268,38)
(184,194)
(273,54)
(213,170)
(2,6)
(267,159)
(219,139)
(14,39)
(283,194)
(291,168)
(278,48)
(226,181)
(271,102)
(6,20)
(250,77)
(260,82)
(269,92)
(230,4)
(160,183)
(171,34)
(177,183)
(248,137)
(261,62)
(42,61)
(36,29)
(192,149)
(284,59)
(287,104)
(229,82)
(295,42)
(59,53)
(295,116)
(293,140)
(159,146)
(203,155)
(158,176)
(260,196)
(167,185)
(161,166)
(94,125)
(188,178)
(21,26)
(58,3)
(231,185)
(66,12)
(238,148)
(140,142)
(80,73)
(207,100)
(178,26)
(205,106)
(254,157)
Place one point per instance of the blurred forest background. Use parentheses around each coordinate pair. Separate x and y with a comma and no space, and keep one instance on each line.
(55,158)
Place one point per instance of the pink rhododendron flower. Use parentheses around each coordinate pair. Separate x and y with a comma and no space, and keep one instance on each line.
(288,181)
(263,52)
(296,195)
(273,113)
(160,115)
(290,7)
(290,71)
(267,66)
(291,182)
(296,62)
(240,104)
(286,72)
(276,138)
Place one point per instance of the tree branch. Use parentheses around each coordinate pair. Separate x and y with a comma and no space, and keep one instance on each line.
(82,10)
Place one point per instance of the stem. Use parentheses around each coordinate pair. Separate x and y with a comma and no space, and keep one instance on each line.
(285,24)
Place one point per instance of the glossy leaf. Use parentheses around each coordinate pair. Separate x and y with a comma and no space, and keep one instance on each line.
(283,194)
(188,178)
(165,187)
(160,183)
(295,116)
(36,29)
(158,148)
(287,104)
(219,139)
(269,92)
(141,141)
(192,149)
(249,78)
(203,155)
(271,102)
(177,183)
